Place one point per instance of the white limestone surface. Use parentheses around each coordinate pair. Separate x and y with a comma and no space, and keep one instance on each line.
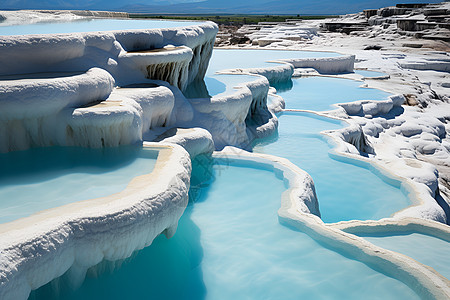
(52,100)
(280,72)
(20,17)
(195,141)
(418,73)
(36,249)
(325,65)
(30,107)
(238,118)
(299,208)
(169,63)
(80,51)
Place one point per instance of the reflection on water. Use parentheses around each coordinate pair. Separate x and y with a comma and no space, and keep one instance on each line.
(168,269)
(230,245)
(432,251)
(345,191)
(42,178)
(320,93)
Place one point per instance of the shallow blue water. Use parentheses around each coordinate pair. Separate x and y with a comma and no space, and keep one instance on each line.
(223,59)
(230,245)
(320,93)
(345,191)
(222,85)
(426,249)
(251,58)
(42,178)
(369,74)
(89,25)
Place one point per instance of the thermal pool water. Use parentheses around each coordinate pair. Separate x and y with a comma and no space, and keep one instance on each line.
(42,178)
(429,250)
(345,191)
(230,244)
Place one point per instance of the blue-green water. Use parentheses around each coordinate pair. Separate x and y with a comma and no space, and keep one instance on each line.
(230,245)
(320,93)
(223,59)
(222,85)
(345,191)
(89,25)
(369,74)
(42,178)
(426,249)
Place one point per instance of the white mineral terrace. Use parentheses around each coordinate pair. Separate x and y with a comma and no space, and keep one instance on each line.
(103,89)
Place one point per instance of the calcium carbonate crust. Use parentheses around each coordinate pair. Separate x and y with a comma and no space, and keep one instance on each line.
(238,118)
(81,51)
(61,104)
(72,238)
(52,251)
(299,209)
(351,140)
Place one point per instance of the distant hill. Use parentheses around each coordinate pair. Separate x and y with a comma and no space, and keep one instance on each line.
(291,7)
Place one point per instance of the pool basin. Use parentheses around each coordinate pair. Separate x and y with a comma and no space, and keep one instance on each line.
(230,244)
(429,250)
(345,191)
(320,93)
(42,178)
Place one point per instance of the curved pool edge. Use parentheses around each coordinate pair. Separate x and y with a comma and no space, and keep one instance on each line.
(281,71)
(423,204)
(390,226)
(243,112)
(295,212)
(36,249)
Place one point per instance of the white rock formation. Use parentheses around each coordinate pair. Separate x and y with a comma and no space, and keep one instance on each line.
(114,58)
(238,118)
(88,109)
(325,65)
(74,90)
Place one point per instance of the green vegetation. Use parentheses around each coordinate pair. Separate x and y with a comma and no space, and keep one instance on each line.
(229,19)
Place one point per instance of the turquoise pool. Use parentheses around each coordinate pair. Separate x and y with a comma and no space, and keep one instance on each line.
(370,74)
(222,59)
(230,245)
(43,178)
(426,249)
(252,58)
(345,191)
(320,93)
(89,25)
(217,85)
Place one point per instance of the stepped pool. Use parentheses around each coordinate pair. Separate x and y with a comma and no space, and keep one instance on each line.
(429,250)
(370,74)
(226,59)
(320,93)
(229,242)
(345,191)
(223,59)
(42,178)
(230,245)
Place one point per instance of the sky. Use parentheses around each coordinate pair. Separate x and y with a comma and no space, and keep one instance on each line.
(292,7)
